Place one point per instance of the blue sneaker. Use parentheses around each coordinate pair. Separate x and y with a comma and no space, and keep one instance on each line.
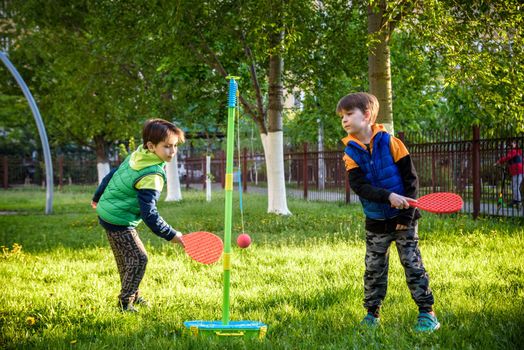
(427,322)
(370,321)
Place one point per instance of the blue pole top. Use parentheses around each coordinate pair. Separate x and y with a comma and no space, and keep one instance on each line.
(232,98)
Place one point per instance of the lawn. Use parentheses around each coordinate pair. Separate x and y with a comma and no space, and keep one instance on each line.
(302,276)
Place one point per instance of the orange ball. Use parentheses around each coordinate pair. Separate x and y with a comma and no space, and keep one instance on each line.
(243,240)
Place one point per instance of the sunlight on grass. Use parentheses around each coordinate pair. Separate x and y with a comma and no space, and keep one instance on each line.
(302,276)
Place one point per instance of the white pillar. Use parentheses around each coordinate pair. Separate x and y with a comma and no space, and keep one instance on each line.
(173,181)
(321,164)
(102,170)
(208,178)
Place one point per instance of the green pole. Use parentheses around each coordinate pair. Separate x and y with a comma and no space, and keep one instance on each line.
(232,100)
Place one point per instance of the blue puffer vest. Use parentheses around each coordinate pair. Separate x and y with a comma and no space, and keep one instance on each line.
(380,171)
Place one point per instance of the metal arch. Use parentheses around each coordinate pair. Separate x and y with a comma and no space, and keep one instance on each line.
(41,131)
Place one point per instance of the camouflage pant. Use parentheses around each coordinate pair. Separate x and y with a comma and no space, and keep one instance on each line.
(131,260)
(377,265)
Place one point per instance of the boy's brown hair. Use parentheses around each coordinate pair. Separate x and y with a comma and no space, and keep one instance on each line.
(157,130)
(361,100)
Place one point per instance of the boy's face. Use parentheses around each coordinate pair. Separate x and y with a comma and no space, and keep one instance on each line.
(165,150)
(354,121)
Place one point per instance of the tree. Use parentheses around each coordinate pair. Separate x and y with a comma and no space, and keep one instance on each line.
(480,46)
(383,17)
(90,92)
(466,60)
(328,61)
(252,44)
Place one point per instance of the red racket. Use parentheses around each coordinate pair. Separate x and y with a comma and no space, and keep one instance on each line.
(439,202)
(203,247)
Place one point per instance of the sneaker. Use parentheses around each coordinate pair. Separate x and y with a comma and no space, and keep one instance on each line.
(127,307)
(427,322)
(370,321)
(142,302)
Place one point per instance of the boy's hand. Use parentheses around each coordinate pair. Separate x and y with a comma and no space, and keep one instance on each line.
(401,227)
(178,239)
(398,201)
(93,204)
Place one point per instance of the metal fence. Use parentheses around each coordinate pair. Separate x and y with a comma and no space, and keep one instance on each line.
(464,162)
(460,161)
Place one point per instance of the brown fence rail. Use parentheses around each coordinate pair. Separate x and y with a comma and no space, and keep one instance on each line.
(459,161)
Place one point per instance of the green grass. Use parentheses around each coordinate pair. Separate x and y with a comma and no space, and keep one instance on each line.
(302,276)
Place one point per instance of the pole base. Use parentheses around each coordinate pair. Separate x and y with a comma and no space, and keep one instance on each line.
(235,329)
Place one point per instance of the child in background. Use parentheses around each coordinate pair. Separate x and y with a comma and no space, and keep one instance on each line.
(513,159)
(128,195)
(383,176)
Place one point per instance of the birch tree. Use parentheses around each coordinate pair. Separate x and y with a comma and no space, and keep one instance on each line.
(248,40)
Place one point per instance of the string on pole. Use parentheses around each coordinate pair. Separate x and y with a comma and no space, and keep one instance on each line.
(240,189)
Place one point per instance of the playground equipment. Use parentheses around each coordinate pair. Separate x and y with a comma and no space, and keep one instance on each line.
(41,131)
(227,328)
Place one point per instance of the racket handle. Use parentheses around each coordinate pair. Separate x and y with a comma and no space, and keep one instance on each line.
(412,203)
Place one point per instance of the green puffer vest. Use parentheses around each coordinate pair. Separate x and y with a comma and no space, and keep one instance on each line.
(119,203)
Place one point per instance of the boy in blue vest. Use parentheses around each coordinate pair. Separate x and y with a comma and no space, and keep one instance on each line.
(128,195)
(383,176)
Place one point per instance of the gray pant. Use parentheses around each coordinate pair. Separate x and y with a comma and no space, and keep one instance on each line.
(131,260)
(516,181)
(377,265)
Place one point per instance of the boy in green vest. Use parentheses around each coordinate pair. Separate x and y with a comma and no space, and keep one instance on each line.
(128,195)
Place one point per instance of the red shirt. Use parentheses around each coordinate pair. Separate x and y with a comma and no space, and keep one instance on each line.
(514,160)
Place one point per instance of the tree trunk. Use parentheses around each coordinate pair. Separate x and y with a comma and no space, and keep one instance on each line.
(379,64)
(173,181)
(273,142)
(320,157)
(102,162)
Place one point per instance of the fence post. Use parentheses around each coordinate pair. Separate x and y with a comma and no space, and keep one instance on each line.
(433,168)
(6,173)
(304,171)
(187,172)
(60,171)
(204,172)
(348,188)
(476,171)
(244,171)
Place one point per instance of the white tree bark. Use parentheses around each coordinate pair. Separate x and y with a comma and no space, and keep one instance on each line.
(273,144)
(102,170)
(173,181)
(208,178)
(321,164)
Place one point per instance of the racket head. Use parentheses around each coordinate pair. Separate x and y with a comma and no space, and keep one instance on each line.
(440,203)
(203,247)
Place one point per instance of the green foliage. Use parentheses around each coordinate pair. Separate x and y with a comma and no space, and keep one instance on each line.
(20,134)
(87,88)
(124,151)
(96,79)
(478,51)
(328,62)
(417,84)
(302,276)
